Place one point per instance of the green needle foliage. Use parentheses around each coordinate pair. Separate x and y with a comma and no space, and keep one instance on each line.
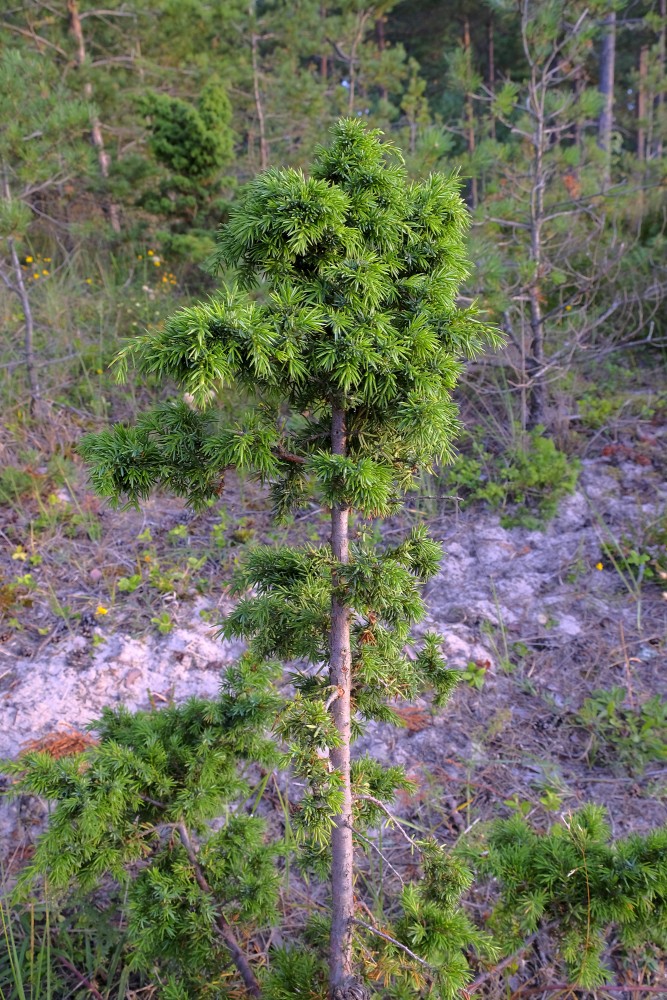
(193,145)
(578,883)
(130,806)
(343,333)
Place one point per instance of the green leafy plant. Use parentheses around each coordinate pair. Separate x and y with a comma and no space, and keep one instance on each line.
(642,557)
(180,577)
(623,733)
(128,584)
(474,674)
(163,623)
(527,482)
(16,483)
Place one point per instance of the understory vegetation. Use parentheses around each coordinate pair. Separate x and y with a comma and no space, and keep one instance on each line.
(335,332)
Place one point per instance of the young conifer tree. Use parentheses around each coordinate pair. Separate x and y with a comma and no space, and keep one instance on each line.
(348,357)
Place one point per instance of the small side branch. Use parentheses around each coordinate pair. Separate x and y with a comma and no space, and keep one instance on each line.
(287,456)
(485,977)
(390,816)
(398,944)
(223,927)
(385,859)
(81,979)
(334,696)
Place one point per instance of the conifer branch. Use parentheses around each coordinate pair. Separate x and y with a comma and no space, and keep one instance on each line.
(394,941)
(334,696)
(484,978)
(570,987)
(287,456)
(223,927)
(385,859)
(390,816)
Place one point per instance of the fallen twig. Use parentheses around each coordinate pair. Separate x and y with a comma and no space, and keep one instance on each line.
(80,977)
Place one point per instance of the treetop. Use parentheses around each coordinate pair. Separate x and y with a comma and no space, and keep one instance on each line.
(345,295)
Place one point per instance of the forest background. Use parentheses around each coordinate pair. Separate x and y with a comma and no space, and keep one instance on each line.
(127,132)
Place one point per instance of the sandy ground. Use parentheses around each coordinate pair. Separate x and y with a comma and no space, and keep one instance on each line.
(542,626)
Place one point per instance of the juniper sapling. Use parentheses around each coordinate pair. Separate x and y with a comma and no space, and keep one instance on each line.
(575,885)
(348,356)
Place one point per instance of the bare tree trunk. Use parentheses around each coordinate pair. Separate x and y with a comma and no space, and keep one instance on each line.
(469,112)
(259,108)
(324,61)
(491,50)
(579,125)
(535,358)
(111,210)
(28,340)
(18,286)
(358,38)
(642,103)
(662,57)
(342,852)
(379,35)
(607,60)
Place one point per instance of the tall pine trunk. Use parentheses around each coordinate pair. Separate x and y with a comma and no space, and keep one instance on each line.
(491,53)
(662,54)
(642,103)
(607,61)
(381,45)
(469,110)
(342,867)
(28,339)
(110,208)
(535,358)
(259,107)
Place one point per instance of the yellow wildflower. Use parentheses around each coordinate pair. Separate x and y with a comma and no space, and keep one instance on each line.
(36,275)
(29,260)
(599,565)
(101,610)
(150,253)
